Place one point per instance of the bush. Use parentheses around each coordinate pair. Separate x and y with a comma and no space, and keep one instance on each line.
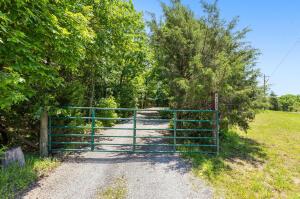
(107,103)
(165,114)
(289,102)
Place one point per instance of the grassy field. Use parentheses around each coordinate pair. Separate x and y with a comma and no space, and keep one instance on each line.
(264,163)
(15,179)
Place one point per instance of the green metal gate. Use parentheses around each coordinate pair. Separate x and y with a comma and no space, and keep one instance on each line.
(99,130)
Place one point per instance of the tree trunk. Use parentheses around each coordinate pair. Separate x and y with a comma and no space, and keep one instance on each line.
(4,134)
(44,134)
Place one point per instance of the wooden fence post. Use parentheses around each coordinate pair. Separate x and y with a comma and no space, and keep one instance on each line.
(44,134)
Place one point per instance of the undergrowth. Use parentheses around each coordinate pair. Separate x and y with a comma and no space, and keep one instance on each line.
(14,179)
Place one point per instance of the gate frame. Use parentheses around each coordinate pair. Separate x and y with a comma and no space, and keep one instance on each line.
(214,121)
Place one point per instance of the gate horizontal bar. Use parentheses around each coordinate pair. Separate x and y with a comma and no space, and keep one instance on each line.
(115,128)
(171,152)
(194,120)
(153,120)
(164,137)
(83,117)
(70,142)
(70,135)
(117,144)
(194,130)
(137,151)
(124,119)
(140,129)
(170,145)
(71,127)
(88,127)
(116,136)
(138,119)
(77,150)
(144,110)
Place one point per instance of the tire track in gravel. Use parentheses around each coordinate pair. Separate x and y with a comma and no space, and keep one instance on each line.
(148,176)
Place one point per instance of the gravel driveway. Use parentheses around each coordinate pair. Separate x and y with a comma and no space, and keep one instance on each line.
(147,176)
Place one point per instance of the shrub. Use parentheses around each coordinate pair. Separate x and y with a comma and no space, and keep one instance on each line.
(165,114)
(107,103)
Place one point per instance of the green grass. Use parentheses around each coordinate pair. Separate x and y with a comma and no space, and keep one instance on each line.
(264,163)
(15,179)
(116,190)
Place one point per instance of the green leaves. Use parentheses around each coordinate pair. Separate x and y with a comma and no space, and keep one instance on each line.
(119,53)
(12,88)
(288,102)
(203,56)
(39,40)
(59,53)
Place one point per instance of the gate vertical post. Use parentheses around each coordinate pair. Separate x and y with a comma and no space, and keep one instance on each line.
(218,138)
(93,131)
(134,130)
(216,121)
(174,128)
(49,135)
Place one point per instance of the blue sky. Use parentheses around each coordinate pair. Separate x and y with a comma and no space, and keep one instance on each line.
(275,26)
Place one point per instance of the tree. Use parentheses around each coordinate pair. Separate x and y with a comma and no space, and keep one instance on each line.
(39,42)
(274,104)
(288,102)
(56,53)
(203,56)
(118,56)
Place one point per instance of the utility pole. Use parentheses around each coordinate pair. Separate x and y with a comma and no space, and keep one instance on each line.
(266,79)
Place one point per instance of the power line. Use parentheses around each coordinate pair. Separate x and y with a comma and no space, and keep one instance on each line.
(285,56)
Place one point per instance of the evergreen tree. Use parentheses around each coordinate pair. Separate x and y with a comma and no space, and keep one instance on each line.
(274,104)
(200,57)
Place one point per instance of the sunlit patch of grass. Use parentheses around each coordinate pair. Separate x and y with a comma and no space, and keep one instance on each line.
(15,179)
(44,166)
(116,190)
(264,163)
